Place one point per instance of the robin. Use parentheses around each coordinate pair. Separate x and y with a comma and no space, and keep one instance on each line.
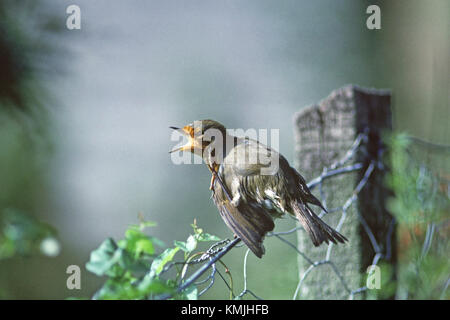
(249,191)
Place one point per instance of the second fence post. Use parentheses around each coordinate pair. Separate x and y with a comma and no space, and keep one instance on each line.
(324,133)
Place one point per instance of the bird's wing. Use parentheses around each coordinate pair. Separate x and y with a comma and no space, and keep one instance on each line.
(306,194)
(251,157)
(287,190)
(282,177)
(247,220)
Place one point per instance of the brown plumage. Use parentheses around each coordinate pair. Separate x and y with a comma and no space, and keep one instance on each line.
(247,199)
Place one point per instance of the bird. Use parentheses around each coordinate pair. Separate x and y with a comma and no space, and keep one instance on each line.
(249,196)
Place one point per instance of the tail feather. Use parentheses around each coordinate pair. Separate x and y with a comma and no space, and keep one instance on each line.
(318,230)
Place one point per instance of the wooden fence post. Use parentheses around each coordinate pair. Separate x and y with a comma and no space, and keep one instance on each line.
(324,133)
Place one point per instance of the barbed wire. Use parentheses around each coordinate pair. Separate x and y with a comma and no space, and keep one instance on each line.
(213,255)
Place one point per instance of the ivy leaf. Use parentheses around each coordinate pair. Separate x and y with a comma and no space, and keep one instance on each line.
(115,289)
(137,242)
(200,236)
(191,243)
(197,230)
(104,258)
(154,286)
(187,246)
(160,261)
(181,245)
(207,237)
(144,245)
(191,293)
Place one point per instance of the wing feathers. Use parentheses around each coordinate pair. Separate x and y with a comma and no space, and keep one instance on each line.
(249,222)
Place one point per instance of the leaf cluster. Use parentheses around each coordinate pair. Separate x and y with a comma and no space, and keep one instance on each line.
(134,266)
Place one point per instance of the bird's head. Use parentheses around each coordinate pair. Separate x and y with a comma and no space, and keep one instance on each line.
(200,134)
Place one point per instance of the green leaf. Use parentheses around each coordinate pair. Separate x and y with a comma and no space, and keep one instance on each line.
(181,245)
(155,287)
(137,242)
(115,289)
(197,230)
(159,262)
(207,237)
(144,245)
(187,246)
(104,258)
(191,293)
(191,243)
(21,234)
(200,236)
(132,233)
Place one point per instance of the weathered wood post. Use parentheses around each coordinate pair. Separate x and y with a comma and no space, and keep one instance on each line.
(324,133)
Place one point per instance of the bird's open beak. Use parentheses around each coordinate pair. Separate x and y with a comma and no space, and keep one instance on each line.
(178,129)
(188,131)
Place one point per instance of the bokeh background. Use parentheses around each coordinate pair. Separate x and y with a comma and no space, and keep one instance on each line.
(84,114)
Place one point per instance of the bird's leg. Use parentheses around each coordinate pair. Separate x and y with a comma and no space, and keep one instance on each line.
(211,186)
(224,188)
(213,178)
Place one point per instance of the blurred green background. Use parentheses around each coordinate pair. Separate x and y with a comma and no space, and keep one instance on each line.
(84,114)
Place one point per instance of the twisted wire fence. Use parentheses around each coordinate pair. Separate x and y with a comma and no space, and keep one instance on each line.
(205,276)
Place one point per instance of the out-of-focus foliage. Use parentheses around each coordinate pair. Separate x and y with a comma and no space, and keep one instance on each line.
(421,206)
(134,267)
(23,235)
(417,196)
(387,286)
(21,172)
(27,60)
(27,55)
